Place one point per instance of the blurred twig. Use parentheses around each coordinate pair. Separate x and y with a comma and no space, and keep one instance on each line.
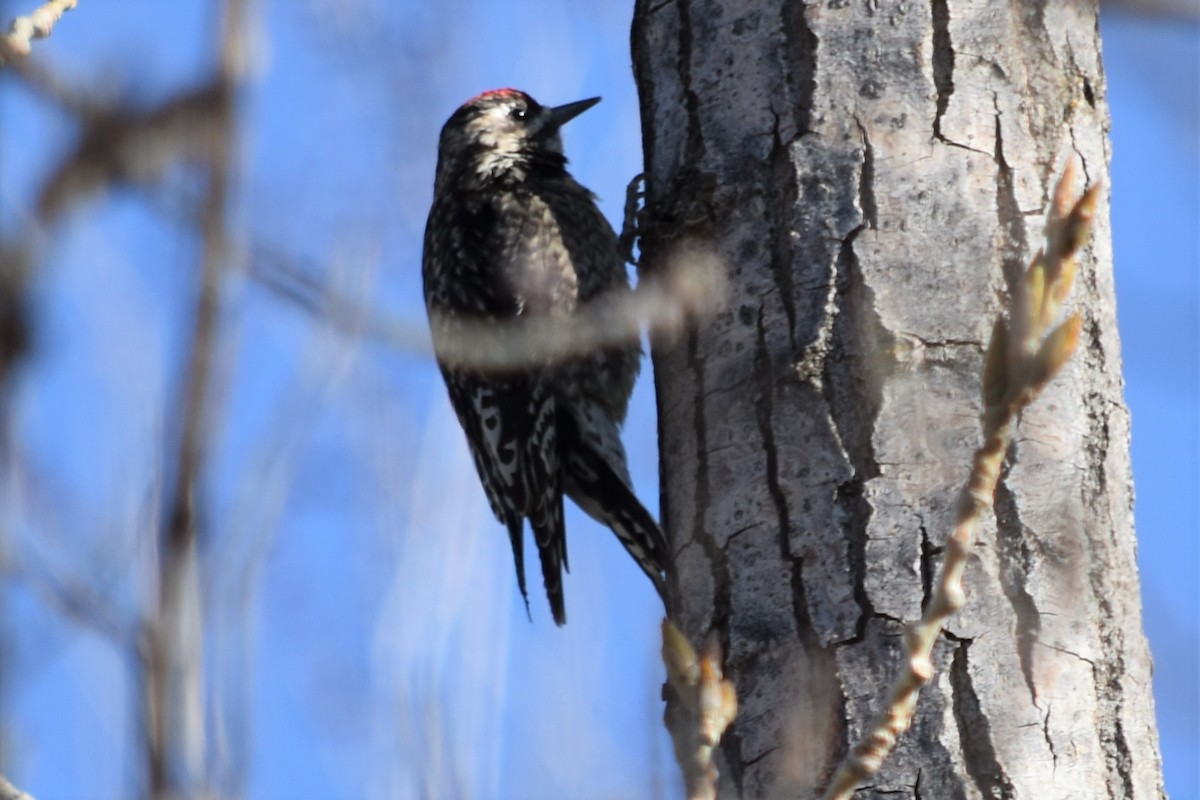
(171,651)
(122,145)
(264,490)
(36,25)
(692,285)
(15,260)
(10,792)
(701,705)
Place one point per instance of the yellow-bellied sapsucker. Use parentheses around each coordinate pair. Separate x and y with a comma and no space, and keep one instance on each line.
(512,237)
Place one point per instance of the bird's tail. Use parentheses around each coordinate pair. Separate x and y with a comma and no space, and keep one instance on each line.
(541,466)
(549,533)
(598,488)
(516,535)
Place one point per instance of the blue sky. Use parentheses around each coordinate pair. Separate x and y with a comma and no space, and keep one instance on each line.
(338,462)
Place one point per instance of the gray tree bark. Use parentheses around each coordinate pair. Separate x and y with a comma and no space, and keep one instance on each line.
(874,175)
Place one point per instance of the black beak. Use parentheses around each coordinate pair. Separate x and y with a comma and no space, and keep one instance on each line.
(561,115)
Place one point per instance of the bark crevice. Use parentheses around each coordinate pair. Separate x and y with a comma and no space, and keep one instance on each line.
(974,731)
(764,412)
(943,63)
(853,421)
(866,180)
(694,150)
(929,556)
(1016,562)
(1049,738)
(715,553)
(800,47)
(786,183)
(1014,244)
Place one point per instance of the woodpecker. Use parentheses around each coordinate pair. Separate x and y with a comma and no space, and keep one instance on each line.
(512,237)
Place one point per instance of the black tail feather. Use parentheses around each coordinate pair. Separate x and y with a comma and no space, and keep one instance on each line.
(516,535)
(549,532)
(599,490)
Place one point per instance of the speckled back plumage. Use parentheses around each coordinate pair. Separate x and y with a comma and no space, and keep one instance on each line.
(512,235)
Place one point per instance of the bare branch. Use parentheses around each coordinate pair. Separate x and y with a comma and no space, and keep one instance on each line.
(703,706)
(171,651)
(10,792)
(35,25)
(692,285)
(1024,354)
(135,146)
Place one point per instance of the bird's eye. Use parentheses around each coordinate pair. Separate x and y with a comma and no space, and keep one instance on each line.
(520,112)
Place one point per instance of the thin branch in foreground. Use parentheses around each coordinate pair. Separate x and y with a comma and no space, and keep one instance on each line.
(691,284)
(15,260)
(1024,354)
(10,792)
(703,706)
(122,146)
(38,24)
(171,651)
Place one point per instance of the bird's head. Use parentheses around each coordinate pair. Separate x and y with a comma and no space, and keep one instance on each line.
(501,134)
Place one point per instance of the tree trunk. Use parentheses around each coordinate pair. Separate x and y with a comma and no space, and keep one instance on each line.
(874,175)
